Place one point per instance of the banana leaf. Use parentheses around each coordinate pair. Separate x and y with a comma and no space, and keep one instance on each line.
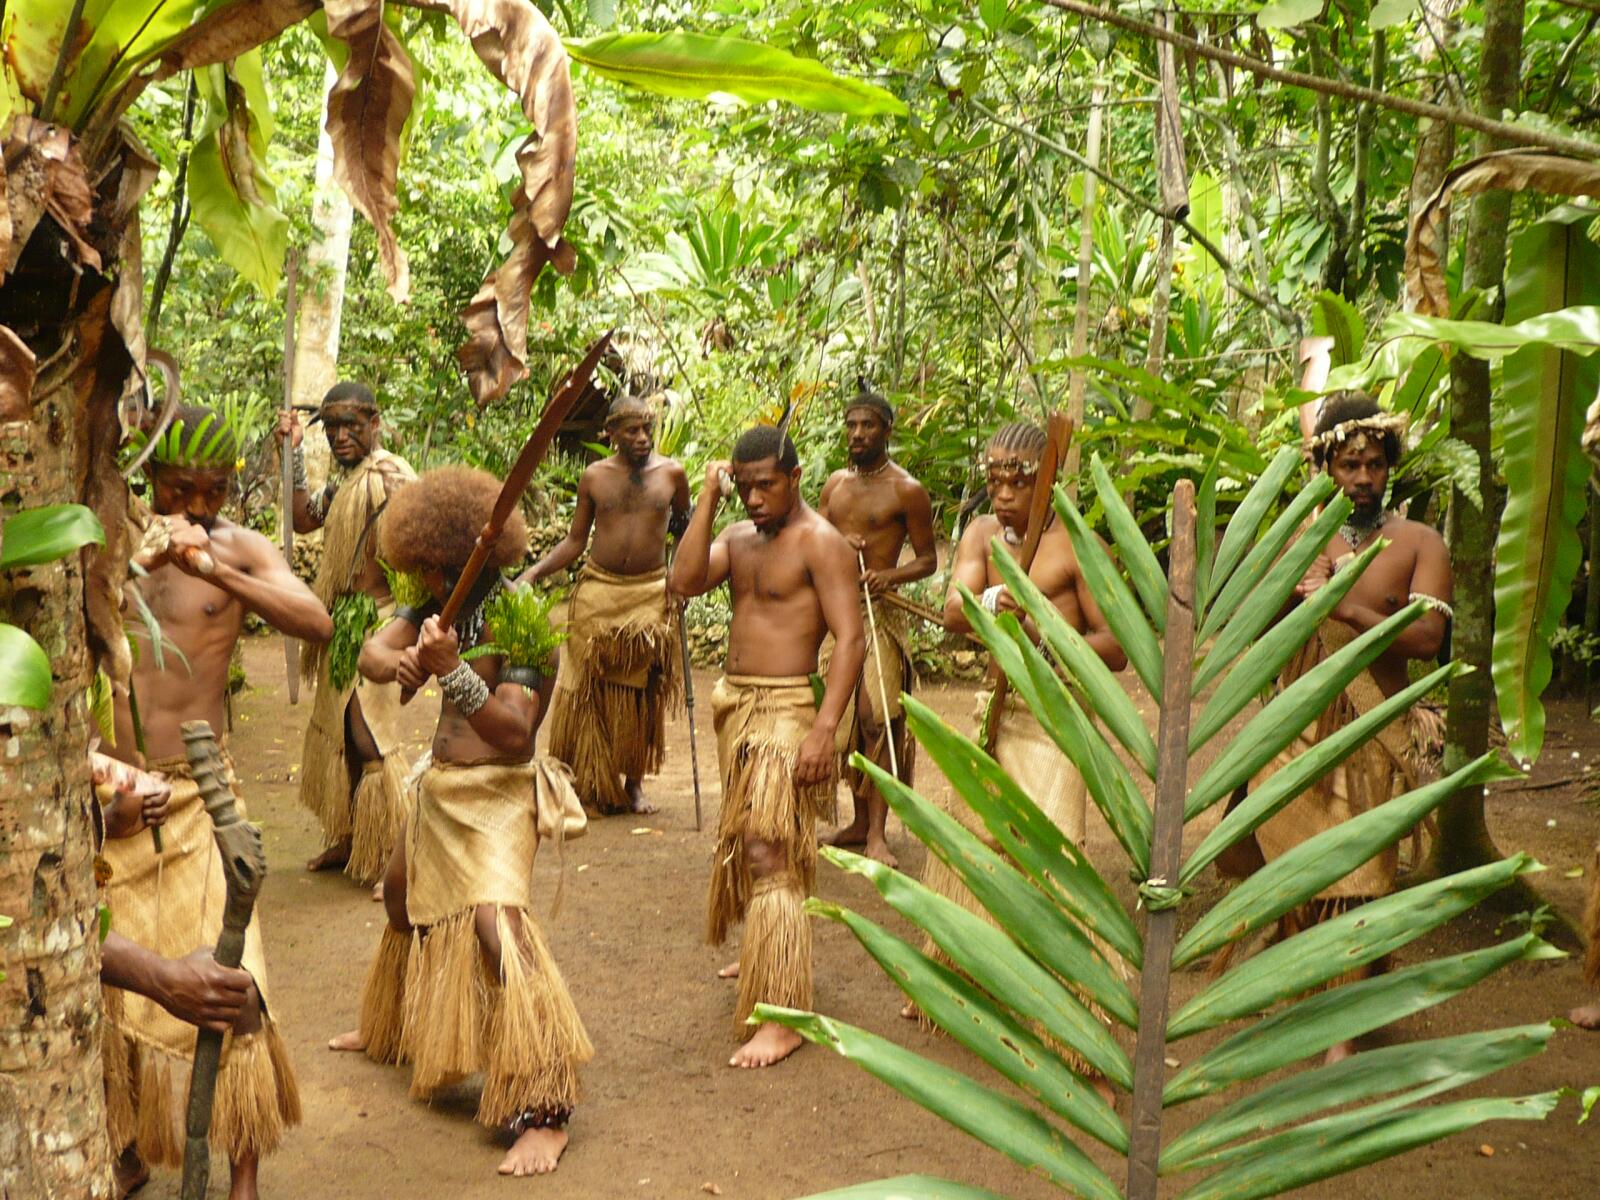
(696,66)
(1305,769)
(1122,612)
(1108,780)
(1269,653)
(1025,833)
(1262,554)
(1137,557)
(1330,948)
(985,1029)
(40,535)
(1240,534)
(1271,592)
(1575,328)
(25,678)
(1544,391)
(1304,1156)
(1031,917)
(1431,1067)
(907,1187)
(1292,879)
(1325,1019)
(998,1121)
(1292,710)
(1106,696)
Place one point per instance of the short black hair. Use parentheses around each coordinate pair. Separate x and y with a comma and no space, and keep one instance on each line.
(1019,437)
(866,398)
(1351,405)
(348,391)
(761,442)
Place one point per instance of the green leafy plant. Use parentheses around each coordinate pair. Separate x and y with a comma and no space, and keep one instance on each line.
(520,630)
(1024,985)
(406,587)
(28,539)
(355,614)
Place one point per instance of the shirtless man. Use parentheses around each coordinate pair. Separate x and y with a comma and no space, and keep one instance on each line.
(463,982)
(621,668)
(204,575)
(352,766)
(879,506)
(793,580)
(1358,445)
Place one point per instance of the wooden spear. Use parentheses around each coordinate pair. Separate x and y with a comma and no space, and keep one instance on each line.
(291,646)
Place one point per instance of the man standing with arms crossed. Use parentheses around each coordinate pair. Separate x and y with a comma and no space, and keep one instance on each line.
(793,581)
(620,669)
(352,768)
(879,506)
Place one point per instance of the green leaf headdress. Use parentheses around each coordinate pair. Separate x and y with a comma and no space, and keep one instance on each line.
(212,438)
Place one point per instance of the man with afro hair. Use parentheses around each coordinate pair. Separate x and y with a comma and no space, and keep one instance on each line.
(463,982)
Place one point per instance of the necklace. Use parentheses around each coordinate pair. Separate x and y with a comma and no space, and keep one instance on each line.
(860,474)
(1012,537)
(1355,531)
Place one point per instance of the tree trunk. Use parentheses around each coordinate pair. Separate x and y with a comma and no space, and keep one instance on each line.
(1464,839)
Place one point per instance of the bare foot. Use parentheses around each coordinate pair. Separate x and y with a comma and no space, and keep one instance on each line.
(334,857)
(770,1044)
(879,849)
(1587,1017)
(636,801)
(348,1041)
(1338,1053)
(731,971)
(853,834)
(129,1173)
(534,1153)
(377,890)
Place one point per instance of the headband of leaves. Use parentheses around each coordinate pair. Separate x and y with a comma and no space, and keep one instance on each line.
(216,442)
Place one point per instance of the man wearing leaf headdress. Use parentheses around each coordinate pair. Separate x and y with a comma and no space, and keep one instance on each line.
(792,579)
(620,671)
(1010,464)
(463,982)
(351,766)
(879,506)
(1358,445)
(204,574)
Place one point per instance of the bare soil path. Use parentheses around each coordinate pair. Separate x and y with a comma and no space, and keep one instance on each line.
(665,1118)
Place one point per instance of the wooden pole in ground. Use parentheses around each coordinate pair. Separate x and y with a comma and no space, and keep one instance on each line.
(1172,784)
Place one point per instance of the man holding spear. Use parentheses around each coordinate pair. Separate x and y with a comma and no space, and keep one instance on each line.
(878,506)
(352,768)
(621,668)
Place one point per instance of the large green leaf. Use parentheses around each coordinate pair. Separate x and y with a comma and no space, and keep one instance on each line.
(1440,1064)
(1331,948)
(1133,546)
(1115,793)
(39,535)
(1280,14)
(1240,535)
(24,670)
(994,1119)
(1328,1148)
(1269,653)
(985,1029)
(1025,833)
(1334,316)
(1123,614)
(233,194)
(1544,392)
(1576,329)
(1271,592)
(1041,928)
(907,1187)
(1293,878)
(1292,710)
(1327,1018)
(697,66)
(1083,666)
(1306,768)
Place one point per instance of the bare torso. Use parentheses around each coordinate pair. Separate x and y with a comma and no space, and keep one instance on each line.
(1415,560)
(870,511)
(1054,569)
(631,510)
(778,623)
(454,739)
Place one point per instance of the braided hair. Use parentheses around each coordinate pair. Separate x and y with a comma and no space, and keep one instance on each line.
(1022,439)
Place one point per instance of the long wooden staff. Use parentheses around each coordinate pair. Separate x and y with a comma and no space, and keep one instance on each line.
(1058,435)
(244,866)
(291,646)
(533,452)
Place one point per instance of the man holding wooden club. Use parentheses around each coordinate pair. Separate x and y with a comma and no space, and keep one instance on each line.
(878,506)
(352,767)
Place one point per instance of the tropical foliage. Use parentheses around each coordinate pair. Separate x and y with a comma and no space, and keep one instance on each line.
(36,537)
(1061,936)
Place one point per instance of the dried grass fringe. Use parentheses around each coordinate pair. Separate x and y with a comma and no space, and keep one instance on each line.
(147,1097)
(608,733)
(763,803)
(383,997)
(1591,924)
(379,806)
(775,959)
(522,1032)
(325,782)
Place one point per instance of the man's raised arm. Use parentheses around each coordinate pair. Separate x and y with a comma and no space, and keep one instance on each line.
(700,564)
(264,584)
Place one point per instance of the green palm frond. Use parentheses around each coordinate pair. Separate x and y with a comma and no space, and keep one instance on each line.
(1024,990)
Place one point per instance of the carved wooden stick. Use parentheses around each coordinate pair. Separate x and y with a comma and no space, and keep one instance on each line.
(244,865)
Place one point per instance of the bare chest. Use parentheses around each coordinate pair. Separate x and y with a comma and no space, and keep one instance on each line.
(625,498)
(866,509)
(770,571)
(1386,584)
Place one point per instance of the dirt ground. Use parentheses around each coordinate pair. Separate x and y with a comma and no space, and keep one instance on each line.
(664,1117)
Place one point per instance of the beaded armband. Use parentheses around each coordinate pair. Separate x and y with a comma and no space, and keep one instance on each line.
(465,689)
